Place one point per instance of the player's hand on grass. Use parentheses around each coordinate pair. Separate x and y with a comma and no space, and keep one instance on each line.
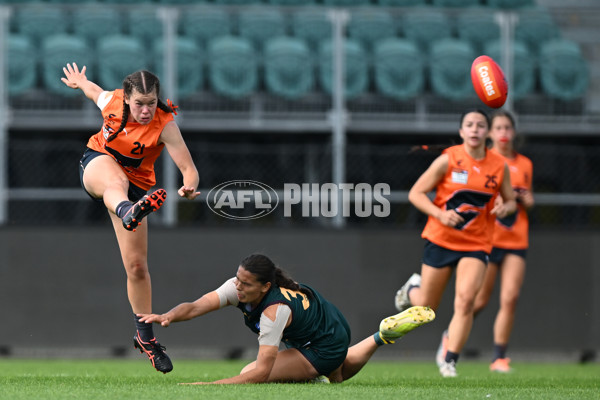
(155,318)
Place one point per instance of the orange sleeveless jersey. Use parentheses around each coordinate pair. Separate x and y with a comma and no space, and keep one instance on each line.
(135,148)
(468,187)
(512,232)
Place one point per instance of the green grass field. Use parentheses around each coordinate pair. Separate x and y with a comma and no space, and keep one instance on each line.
(135,379)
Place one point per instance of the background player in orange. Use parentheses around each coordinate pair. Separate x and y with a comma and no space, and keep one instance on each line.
(118,169)
(458,233)
(511,240)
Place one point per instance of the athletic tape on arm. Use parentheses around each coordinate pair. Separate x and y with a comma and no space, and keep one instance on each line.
(271,332)
(227,293)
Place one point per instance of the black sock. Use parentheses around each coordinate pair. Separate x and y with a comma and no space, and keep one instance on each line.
(145,330)
(499,351)
(450,356)
(123,207)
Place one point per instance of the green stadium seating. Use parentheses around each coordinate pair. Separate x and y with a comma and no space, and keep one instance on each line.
(564,73)
(401,3)
(232,67)
(137,2)
(57,51)
(524,68)
(450,68)
(477,26)
(183,2)
(536,26)
(236,2)
(424,25)
(291,2)
(93,21)
(258,24)
(510,4)
(65,1)
(346,3)
(38,21)
(143,22)
(399,69)
(288,68)
(117,57)
(356,68)
(190,74)
(311,25)
(21,64)
(203,23)
(456,3)
(370,25)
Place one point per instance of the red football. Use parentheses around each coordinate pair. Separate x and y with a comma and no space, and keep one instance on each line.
(489,82)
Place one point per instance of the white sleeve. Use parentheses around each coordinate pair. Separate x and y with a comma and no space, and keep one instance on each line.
(271,332)
(103,99)
(228,293)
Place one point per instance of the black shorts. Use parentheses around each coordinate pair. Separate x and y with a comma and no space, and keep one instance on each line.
(135,192)
(498,254)
(439,257)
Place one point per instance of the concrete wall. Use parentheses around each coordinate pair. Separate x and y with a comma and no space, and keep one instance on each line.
(65,288)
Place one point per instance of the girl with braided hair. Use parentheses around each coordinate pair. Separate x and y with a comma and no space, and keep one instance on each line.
(117,168)
(314,332)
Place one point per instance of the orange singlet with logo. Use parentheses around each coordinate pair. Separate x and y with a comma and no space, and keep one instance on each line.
(512,232)
(468,187)
(136,147)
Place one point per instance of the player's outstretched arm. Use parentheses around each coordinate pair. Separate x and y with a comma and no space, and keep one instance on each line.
(184,311)
(76,79)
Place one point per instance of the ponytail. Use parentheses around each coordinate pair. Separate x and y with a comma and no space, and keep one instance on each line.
(265,271)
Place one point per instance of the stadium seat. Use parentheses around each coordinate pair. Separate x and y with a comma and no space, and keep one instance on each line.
(456,3)
(183,2)
(119,56)
(524,68)
(536,26)
(424,25)
(508,4)
(93,21)
(143,22)
(232,66)
(450,68)
(288,68)
(57,51)
(190,74)
(139,2)
(399,69)
(39,21)
(401,3)
(369,25)
(236,2)
(21,64)
(356,68)
(203,23)
(346,3)
(65,1)
(564,73)
(258,24)
(477,26)
(291,2)
(311,25)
